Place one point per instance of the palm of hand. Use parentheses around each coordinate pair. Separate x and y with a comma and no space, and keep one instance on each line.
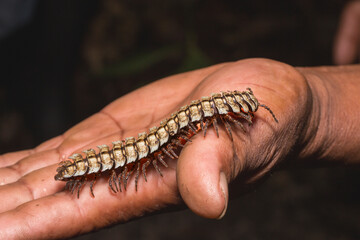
(32,203)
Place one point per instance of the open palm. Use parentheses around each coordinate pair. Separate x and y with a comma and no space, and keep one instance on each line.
(33,205)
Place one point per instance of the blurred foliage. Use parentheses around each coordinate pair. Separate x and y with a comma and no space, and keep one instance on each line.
(145,60)
(139,62)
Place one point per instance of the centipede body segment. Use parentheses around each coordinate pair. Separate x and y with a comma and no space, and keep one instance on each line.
(133,156)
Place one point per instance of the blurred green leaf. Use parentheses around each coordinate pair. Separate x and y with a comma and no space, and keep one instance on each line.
(139,62)
(195,58)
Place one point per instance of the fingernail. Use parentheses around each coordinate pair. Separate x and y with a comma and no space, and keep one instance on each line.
(224,189)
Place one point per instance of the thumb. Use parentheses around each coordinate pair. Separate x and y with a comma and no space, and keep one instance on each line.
(203,174)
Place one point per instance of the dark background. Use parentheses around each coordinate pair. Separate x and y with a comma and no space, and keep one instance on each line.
(71,58)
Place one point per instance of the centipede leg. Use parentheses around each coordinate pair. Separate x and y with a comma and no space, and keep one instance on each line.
(228,117)
(124,173)
(157,167)
(216,126)
(110,184)
(185,136)
(247,117)
(69,185)
(167,153)
(184,132)
(92,185)
(82,182)
(170,150)
(144,166)
(74,186)
(161,159)
(137,175)
(177,142)
(192,127)
(119,181)
(228,127)
(206,126)
(112,179)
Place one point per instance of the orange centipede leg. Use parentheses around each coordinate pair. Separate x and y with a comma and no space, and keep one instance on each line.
(157,167)
(137,175)
(92,185)
(144,166)
(216,126)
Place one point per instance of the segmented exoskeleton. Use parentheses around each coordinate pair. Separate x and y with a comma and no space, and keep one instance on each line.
(134,155)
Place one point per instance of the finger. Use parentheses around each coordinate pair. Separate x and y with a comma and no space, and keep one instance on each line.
(87,133)
(32,186)
(29,164)
(39,182)
(203,172)
(8,159)
(75,216)
(346,47)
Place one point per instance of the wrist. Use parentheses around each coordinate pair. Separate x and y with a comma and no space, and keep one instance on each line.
(333,132)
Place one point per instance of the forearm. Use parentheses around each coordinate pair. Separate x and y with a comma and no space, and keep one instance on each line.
(333,134)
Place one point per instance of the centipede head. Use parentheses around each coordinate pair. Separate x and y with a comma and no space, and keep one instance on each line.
(59,176)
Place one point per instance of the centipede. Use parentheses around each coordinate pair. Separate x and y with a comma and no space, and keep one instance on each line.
(133,155)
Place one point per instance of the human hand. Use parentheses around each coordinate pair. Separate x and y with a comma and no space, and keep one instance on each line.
(347,41)
(33,205)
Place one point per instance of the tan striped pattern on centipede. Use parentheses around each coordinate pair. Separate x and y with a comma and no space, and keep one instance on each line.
(134,155)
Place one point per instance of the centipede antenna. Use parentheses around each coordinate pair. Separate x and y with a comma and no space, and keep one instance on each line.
(271,112)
